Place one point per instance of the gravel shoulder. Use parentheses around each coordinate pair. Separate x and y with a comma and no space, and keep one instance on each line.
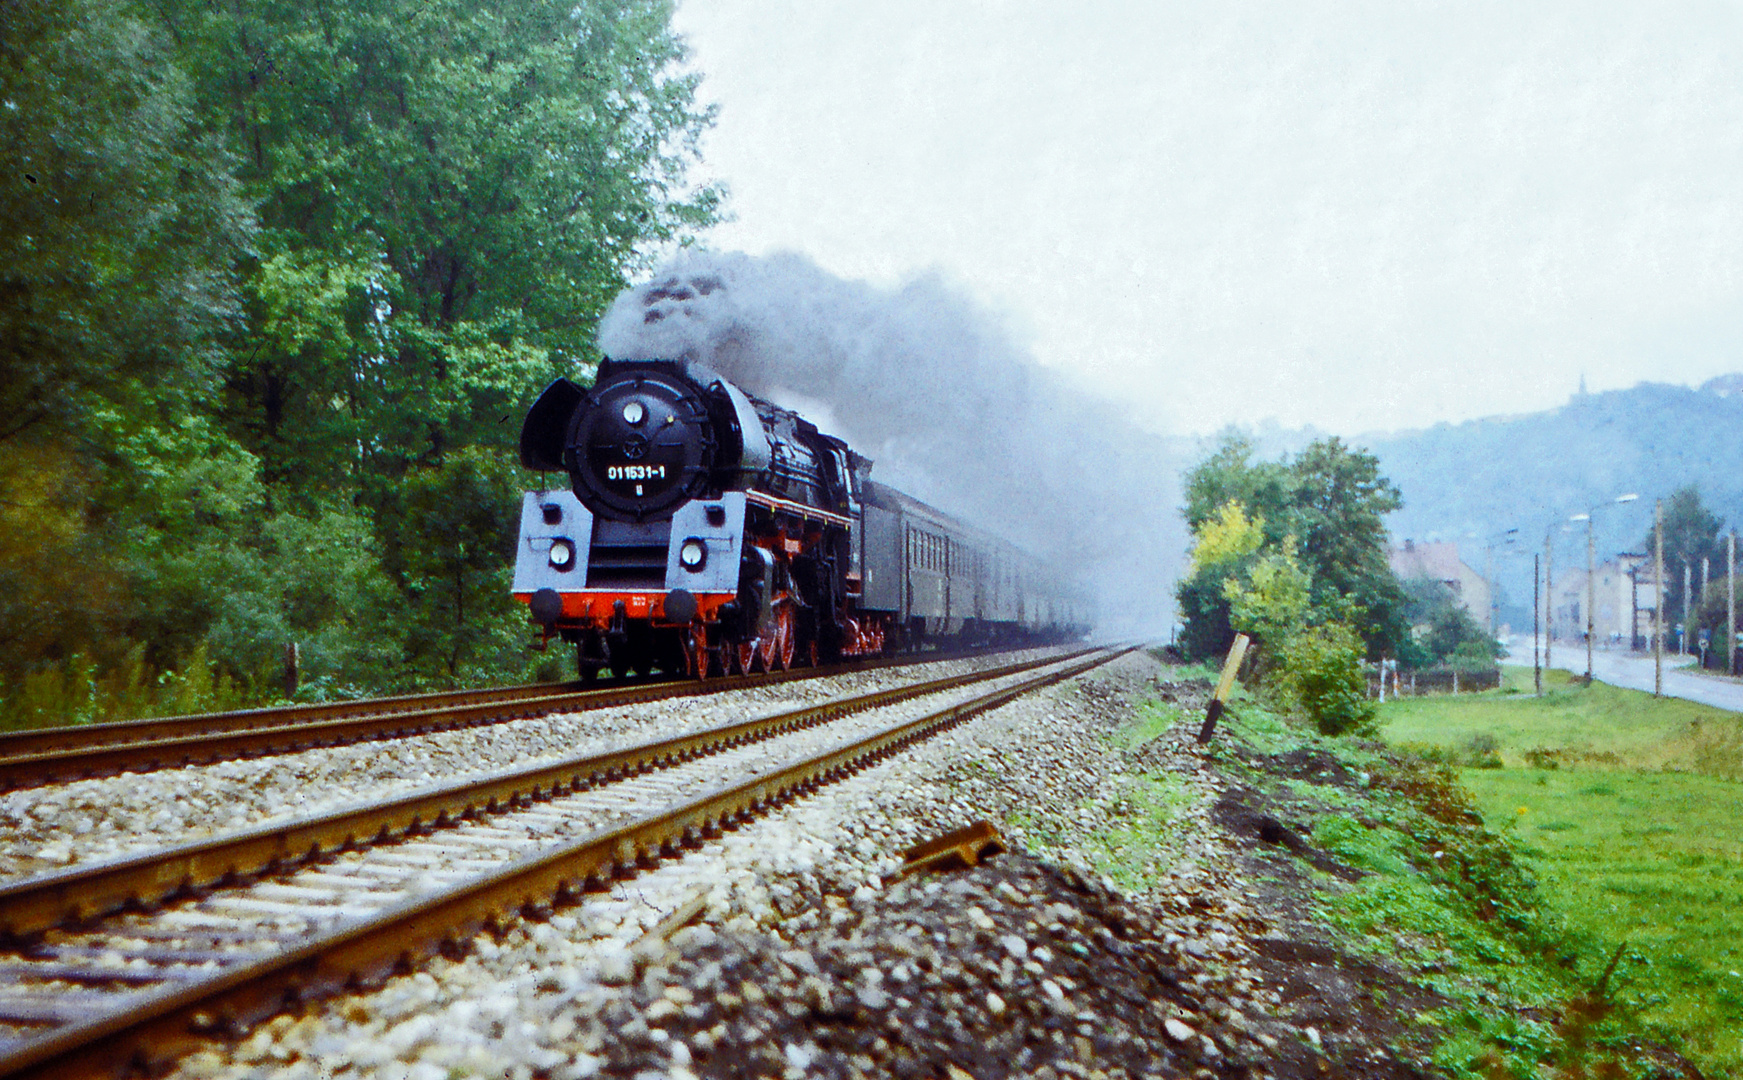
(806,963)
(61,825)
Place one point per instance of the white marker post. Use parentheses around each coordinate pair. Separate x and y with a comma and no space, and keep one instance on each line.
(1237,652)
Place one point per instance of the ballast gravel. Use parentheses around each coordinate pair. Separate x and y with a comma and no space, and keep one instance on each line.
(60,825)
(806,962)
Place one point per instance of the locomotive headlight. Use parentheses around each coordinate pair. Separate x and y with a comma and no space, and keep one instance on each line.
(634,412)
(692,555)
(562,554)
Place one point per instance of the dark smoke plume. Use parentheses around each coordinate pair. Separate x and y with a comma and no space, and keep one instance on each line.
(929,386)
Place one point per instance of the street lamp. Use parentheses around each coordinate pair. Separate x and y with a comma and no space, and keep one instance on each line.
(1507,536)
(1592,576)
(1731,603)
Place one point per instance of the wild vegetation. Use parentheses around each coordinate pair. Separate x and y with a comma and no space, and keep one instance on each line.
(1293,553)
(1427,883)
(1623,807)
(275,280)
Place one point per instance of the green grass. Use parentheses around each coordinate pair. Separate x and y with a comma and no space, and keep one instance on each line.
(1600,725)
(1443,897)
(1130,849)
(1153,719)
(1632,820)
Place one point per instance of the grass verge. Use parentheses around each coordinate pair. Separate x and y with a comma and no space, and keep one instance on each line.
(1624,808)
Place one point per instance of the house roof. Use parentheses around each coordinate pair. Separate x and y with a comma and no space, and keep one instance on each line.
(1439,561)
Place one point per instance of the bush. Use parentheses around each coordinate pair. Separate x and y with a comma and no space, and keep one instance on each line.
(1322,670)
(1483,751)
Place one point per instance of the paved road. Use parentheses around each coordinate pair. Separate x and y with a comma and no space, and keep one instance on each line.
(1634,671)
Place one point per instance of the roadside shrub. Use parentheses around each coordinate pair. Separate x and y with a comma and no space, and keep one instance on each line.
(1475,656)
(1322,670)
(1483,751)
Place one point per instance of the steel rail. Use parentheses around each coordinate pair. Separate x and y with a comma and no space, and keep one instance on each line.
(178,1019)
(122,732)
(33,905)
(177,741)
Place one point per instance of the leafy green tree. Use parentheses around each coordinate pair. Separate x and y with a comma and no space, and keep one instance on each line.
(1691,533)
(321,585)
(183,501)
(120,231)
(1339,507)
(451,194)
(451,548)
(1441,628)
(1333,501)
(120,224)
(1225,546)
(1263,489)
(1322,669)
(1272,602)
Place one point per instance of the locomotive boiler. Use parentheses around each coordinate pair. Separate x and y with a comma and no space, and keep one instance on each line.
(705,531)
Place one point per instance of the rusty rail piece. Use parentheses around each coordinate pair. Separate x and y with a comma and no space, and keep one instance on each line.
(178,1019)
(36,904)
(30,758)
(954,850)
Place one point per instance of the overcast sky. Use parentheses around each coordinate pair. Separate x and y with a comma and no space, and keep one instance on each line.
(1359,216)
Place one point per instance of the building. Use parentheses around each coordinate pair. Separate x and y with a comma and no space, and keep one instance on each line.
(1624,594)
(1440,562)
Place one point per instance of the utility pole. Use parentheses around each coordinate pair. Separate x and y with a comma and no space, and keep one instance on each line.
(1658,599)
(1706,570)
(1634,609)
(1731,603)
(1506,536)
(1592,582)
(1548,595)
(1536,667)
(1683,638)
(1591,594)
(1489,572)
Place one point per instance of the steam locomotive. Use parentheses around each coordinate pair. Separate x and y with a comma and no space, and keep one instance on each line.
(709,532)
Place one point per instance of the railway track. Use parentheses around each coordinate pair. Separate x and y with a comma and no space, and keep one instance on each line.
(33,758)
(104,974)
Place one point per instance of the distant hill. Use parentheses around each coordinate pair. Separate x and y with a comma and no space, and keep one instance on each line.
(1466,482)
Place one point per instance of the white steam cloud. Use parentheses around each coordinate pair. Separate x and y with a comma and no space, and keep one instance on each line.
(927,385)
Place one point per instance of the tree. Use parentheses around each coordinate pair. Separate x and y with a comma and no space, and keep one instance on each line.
(120,231)
(452,550)
(1332,500)
(1225,545)
(451,194)
(1272,602)
(1691,533)
(1339,507)
(1229,473)
(1442,630)
(275,278)
(1322,670)
(120,224)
